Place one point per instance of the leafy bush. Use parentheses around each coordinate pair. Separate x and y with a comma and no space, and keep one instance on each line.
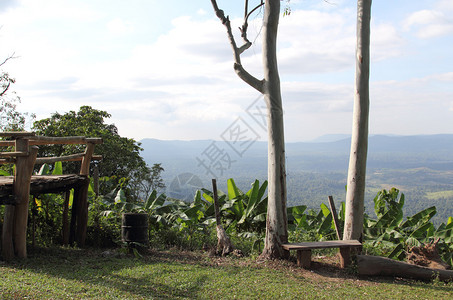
(394,234)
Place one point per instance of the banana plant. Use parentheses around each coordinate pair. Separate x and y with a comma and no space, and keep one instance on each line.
(392,230)
(319,224)
(246,211)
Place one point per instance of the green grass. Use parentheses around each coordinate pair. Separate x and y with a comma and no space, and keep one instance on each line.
(88,274)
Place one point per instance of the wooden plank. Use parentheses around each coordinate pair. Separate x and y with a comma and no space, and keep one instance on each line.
(7,160)
(17,134)
(67,140)
(43,184)
(7,143)
(50,160)
(72,157)
(14,154)
(55,183)
(322,245)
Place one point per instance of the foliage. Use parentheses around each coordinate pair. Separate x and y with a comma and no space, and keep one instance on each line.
(312,225)
(147,180)
(182,224)
(10,118)
(121,155)
(392,231)
(46,213)
(190,226)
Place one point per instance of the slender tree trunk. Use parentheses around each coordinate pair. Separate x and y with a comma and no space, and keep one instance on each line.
(276,223)
(359,141)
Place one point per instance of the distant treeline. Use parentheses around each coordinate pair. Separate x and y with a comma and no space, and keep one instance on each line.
(421,167)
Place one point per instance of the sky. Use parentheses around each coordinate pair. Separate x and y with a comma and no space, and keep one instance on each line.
(164,69)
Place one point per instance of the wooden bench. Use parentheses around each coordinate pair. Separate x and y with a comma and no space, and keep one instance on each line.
(304,250)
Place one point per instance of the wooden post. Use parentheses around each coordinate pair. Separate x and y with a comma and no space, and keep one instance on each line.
(21,186)
(335,217)
(65,225)
(82,205)
(224,245)
(216,203)
(82,213)
(7,233)
(304,258)
(85,166)
(345,257)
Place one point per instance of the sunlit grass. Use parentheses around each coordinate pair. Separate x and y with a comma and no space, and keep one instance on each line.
(82,274)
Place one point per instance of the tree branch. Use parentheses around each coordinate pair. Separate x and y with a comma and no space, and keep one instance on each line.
(6,59)
(248,78)
(237,51)
(5,89)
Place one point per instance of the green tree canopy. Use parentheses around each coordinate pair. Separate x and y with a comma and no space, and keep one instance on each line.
(121,155)
(10,118)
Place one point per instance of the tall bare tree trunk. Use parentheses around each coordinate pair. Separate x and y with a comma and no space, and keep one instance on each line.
(276,223)
(359,141)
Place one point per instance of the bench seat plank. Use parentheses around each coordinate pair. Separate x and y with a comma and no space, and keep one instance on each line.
(304,250)
(41,184)
(321,245)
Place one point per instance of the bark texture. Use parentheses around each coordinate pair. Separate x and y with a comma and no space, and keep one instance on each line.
(359,141)
(381,266)
(276,223)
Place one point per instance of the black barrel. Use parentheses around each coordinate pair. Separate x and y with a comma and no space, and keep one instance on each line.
(134,228)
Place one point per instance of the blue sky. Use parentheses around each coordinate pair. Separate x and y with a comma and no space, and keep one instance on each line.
(163,69)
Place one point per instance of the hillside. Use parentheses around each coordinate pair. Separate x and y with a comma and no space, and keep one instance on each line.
(421,166)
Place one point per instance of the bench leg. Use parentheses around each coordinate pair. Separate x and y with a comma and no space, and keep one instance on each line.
(345,257)
(346,253)
(304,258)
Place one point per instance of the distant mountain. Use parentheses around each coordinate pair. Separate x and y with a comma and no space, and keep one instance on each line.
(421,166)
(434,151)
(330,138)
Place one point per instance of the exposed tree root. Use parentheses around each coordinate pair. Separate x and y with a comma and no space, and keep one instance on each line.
(427,255)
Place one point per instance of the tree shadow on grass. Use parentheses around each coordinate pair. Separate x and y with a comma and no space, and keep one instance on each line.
(144,277)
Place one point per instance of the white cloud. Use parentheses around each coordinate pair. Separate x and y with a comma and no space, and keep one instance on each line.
(430,23)
(315,41)
(30,11)
(201,12)
(386,42)
(180,84)
(118,26)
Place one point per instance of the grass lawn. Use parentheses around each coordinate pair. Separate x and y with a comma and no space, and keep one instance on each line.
(93,274)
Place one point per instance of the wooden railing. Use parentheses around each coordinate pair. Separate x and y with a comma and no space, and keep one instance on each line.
(24,156)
